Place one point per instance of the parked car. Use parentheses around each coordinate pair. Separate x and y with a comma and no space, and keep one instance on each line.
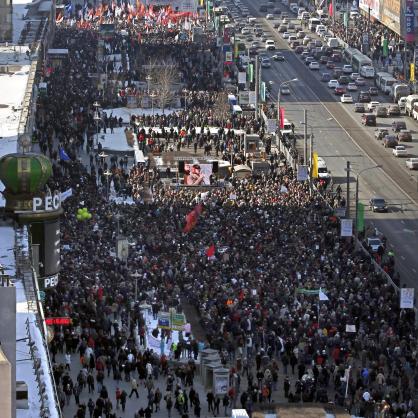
(394,110)
(390,141)
(412,163)
(398,125)
(400,151)
(405,135)
(364,97)
(346,98)
(373,91)
(380,133)
(378,204)
(359,108)
(368,119)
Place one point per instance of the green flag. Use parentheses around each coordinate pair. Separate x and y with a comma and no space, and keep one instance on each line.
(250,73)
(360,217)
(385,45)
(345,19)
(263,91)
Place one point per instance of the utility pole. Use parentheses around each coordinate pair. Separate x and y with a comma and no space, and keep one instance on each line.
(347,204)
(257,85)
(305,136)
(311,149)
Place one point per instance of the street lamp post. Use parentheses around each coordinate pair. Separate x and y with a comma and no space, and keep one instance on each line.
(356,197)
(278,100)
(136,276)
(148,78)
(107,173)
(96,118)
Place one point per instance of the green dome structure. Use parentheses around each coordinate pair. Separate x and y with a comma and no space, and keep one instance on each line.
(23,175)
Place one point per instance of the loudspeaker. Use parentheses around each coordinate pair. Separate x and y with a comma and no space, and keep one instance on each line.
(181,167)
(215,167)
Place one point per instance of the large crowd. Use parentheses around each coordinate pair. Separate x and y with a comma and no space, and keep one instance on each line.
(276,244)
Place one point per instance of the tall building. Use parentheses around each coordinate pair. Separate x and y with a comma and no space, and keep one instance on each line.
(6,26)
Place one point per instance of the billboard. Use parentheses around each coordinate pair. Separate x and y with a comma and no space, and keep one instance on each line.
(197,174)
(390,14)
(373,5)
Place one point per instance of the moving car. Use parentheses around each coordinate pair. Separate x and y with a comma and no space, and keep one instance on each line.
(269,16)
(359,108)
(326,77)
(284,90)
(278,57)
(394,110)
(380,133)
(339,90)
(381,111)
(314,65)
(352,87)
(346,98)
(405,135)
(372,106)
(354,76)
(400,151)
(373,91)
(265,63)
(270,45)
(412,163)
(374,243)
(360,81)
(332,84)
(347,69)
(368,119)
(390,141)
(364,97)
(378,204)
(398,125)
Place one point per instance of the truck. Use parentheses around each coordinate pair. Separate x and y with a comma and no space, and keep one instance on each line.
(399,90)
(415,111)
(409,103)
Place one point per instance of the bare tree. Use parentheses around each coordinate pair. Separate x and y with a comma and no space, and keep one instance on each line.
(221,109)
(167,76)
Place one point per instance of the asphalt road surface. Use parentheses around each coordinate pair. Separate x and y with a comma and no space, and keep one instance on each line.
(339,137)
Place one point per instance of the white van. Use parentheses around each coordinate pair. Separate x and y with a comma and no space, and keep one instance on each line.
(313,23)
(322,169)
(320,28)
(287,128)
(333,43)
(367,71)
(304,16)
(270,45)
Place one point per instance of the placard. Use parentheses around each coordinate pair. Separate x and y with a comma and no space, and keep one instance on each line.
(164,321)
(302,174)
(346,227)
(407,298)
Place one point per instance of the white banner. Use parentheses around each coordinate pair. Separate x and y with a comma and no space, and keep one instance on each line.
(64,195)
(407,298)
(251,97)
(153,343)
(271,126)
(242,77)
(346,227)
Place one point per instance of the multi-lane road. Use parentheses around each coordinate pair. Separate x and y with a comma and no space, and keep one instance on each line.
(339,137)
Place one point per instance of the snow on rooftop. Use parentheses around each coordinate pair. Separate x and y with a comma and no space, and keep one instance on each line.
(7,256)
(24,368)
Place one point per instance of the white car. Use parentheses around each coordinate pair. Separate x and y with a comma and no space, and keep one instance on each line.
(269,16)
(284,90)
(347,69)
(314,65)
(354,76)
(286,35)
(265,63)
(372,106)
(352,87)
(332,84)
(400,151)
(346,98)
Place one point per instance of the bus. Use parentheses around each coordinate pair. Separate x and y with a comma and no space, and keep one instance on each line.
(380,76)
(357,59)
(386,84)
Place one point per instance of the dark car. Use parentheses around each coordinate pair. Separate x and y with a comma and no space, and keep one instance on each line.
(336,57)
(325,77)
(323,59)
(299,49)
(364,97)
(338,72)
(339,91)
(398,125)
(404,136)
(278,57)
(390,141)
(343,79)
(295,44)
(373,91)
(368,119)
(330,65)
(378,204)
(359,108)
(381,133)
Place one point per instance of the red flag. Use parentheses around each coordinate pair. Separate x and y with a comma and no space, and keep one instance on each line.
(281,117)
(192,217)
(210,252)
(330,9)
